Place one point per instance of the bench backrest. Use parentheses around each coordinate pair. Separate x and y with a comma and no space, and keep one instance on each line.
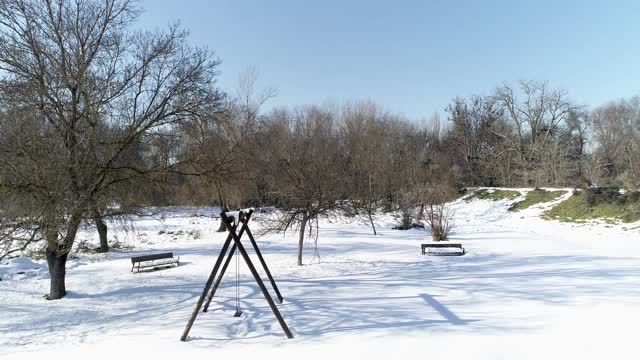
(136,259)
(442,245)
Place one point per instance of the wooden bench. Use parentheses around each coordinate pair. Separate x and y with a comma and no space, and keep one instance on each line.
(154,261)
(425,248)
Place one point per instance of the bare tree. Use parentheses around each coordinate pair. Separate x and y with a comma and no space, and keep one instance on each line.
(99,94)
(473,137)
(537,115)
(220,147)
(616,135)
(363,133)
(302,156)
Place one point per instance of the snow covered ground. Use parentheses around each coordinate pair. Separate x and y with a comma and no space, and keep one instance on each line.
(527,288)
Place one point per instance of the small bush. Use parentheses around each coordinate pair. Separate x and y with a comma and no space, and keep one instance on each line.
(603,195)
(407,211)
(406,218)
(610,195)
(440,219)
(412,226)
(119,245)
(196,234)
(82,247)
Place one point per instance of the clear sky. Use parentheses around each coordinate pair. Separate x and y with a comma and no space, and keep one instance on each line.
(413,57)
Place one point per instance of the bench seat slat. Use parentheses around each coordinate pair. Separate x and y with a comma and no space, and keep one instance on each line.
(157,263)
(427,247)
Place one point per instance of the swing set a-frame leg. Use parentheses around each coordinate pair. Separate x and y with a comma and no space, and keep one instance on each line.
(219,279)
(264,265)
(223,252)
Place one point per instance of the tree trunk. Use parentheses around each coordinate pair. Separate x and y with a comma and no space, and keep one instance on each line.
(223,207)
(373,226)
(102,232)
(223,227)
(303,226)
(57,257)
(369,203)
(57,271)
(421,213)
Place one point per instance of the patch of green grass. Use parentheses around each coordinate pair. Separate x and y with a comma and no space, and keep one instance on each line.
(580,207)
(534,197)
(495,195)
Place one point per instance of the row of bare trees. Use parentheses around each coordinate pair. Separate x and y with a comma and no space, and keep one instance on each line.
(534,135)
(531,135)
(312,160)
(361,159)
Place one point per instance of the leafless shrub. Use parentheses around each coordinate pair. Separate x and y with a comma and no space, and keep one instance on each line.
(407,211)
(440,218)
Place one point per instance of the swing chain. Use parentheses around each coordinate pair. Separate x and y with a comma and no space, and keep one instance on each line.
(238,312)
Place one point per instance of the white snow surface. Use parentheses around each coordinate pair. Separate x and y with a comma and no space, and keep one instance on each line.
(527,288)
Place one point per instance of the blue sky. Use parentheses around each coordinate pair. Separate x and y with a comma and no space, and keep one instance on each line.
(413,57)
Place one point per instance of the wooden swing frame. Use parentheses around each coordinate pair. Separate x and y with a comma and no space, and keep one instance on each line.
(241,218)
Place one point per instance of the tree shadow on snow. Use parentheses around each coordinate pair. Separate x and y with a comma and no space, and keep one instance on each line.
(380,297)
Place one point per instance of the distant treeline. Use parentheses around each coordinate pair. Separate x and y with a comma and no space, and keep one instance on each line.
(530,135)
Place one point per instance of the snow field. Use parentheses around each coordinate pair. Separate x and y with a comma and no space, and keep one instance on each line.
(527,288)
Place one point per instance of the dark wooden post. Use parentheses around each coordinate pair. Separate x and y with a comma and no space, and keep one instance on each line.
(223,252)
(219,279)
(264,265)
